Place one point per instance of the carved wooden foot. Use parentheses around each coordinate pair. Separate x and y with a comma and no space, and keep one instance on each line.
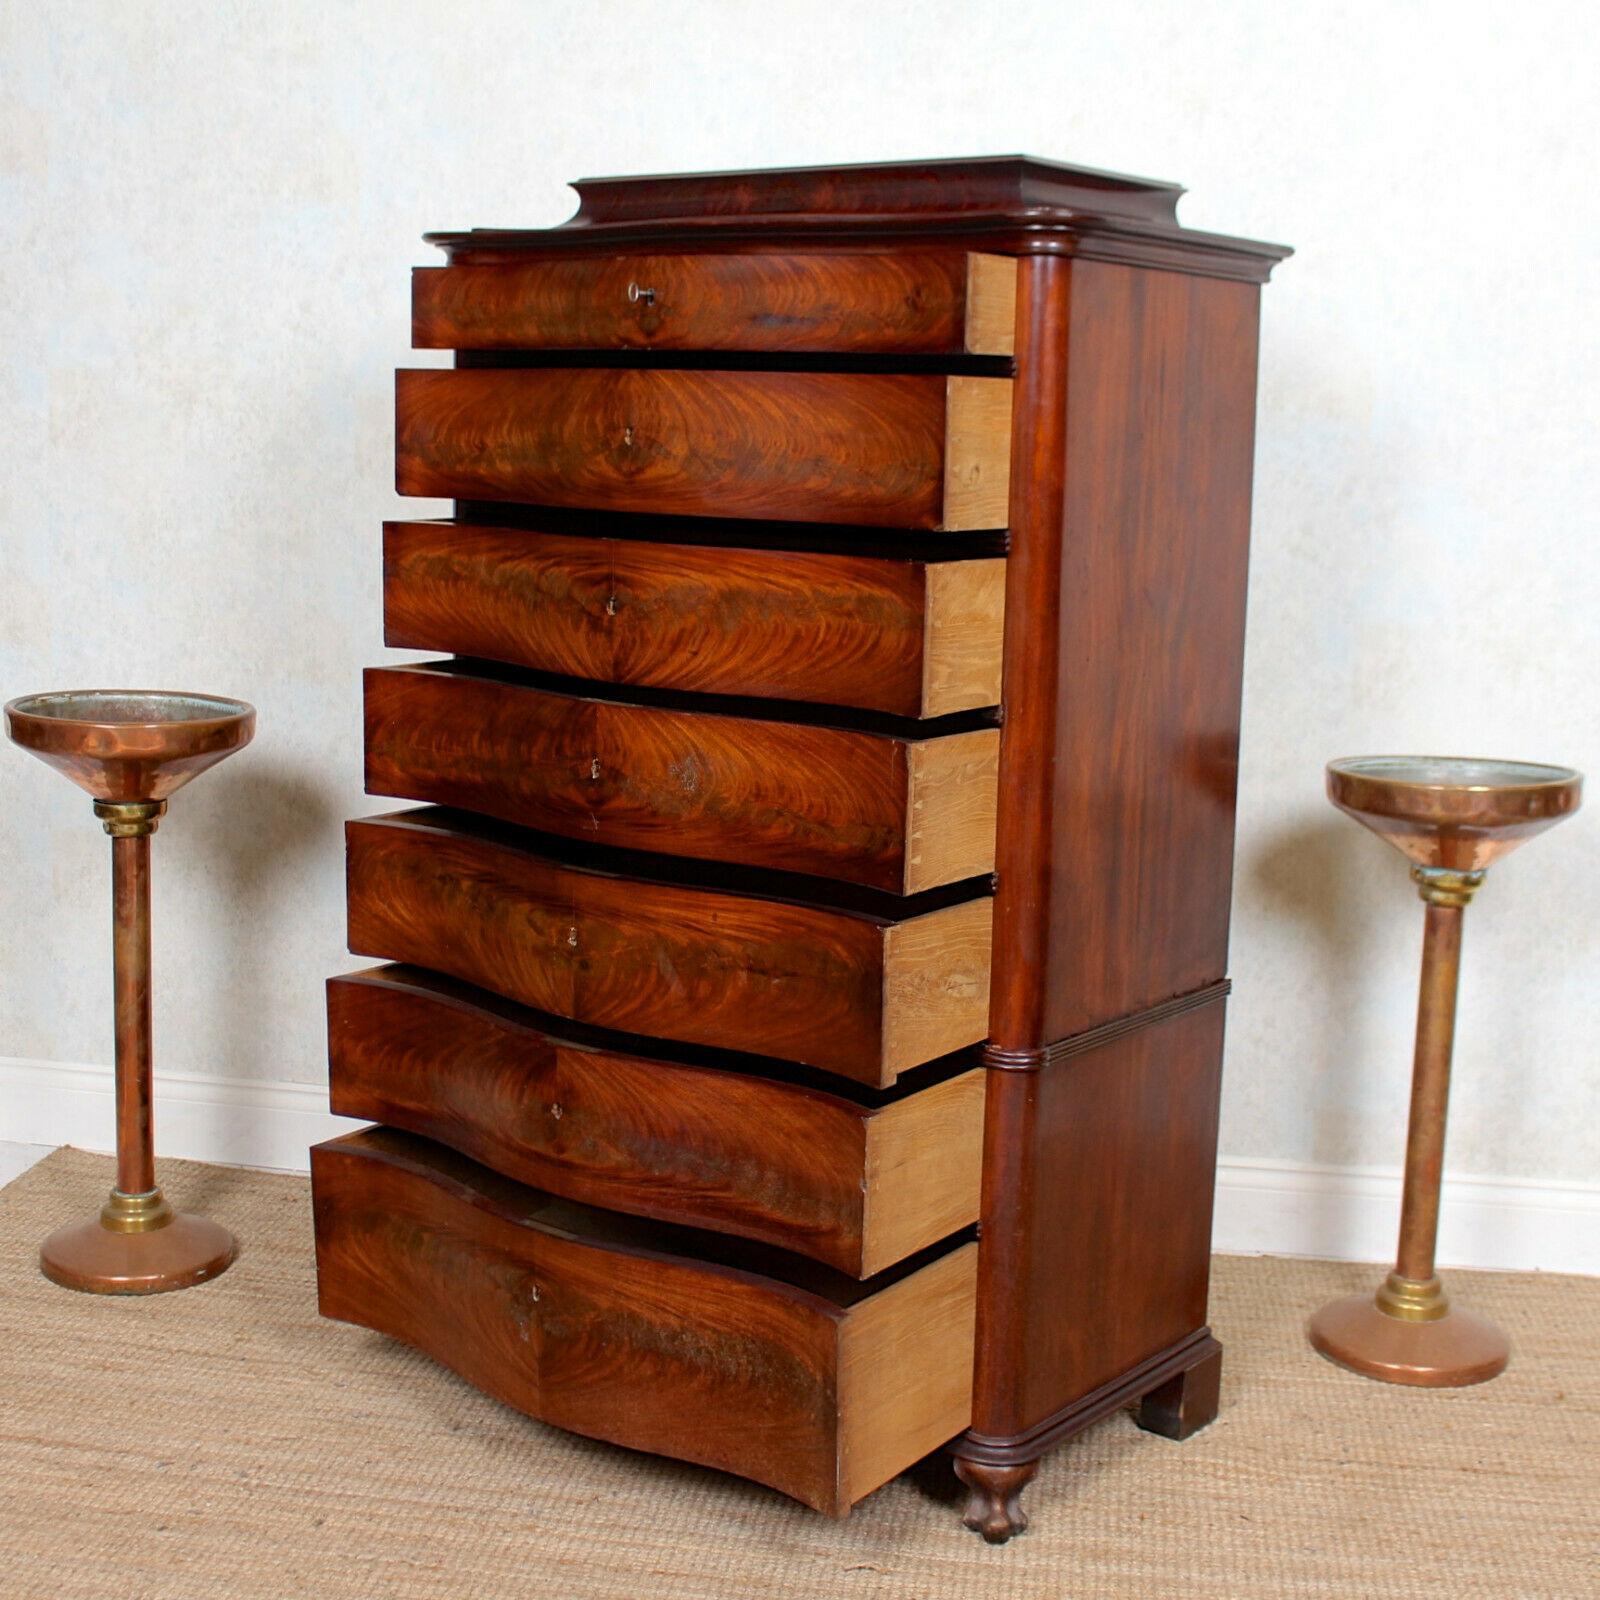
(1186,1403)
(994,1504)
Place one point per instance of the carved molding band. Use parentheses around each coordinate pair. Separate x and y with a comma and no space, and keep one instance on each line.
(1078,1414)
(1041,1056)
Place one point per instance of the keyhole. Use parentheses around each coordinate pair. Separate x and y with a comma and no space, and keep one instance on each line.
(611,606)
(594,767)
(572,937)
(555,1111)
(627,435)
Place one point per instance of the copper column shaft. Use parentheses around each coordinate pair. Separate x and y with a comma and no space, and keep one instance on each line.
(130,946)
(1430,1091)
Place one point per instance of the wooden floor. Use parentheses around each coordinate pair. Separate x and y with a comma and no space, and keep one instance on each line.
(226,1443)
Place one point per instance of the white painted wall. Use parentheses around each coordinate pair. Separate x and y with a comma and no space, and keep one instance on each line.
(212,210)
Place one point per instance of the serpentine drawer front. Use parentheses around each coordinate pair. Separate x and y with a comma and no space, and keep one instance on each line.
(866,990)
(912,638)
(893,450)
(937,303)
(888,811)
(802,1047)
(857,1179)
(732,1356)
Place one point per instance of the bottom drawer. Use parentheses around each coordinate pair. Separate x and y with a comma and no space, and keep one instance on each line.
(663,1339)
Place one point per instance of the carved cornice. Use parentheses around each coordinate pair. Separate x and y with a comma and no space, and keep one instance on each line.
(1016,205)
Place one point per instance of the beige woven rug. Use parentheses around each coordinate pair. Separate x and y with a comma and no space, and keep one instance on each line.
(224,1442)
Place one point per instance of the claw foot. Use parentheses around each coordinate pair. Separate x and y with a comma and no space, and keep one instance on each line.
(994,1500)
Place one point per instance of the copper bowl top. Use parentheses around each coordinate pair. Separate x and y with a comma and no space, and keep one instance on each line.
(130,744)
(1459,812)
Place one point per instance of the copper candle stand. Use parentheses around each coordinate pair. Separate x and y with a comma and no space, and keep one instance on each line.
(1453,818)
(131,749)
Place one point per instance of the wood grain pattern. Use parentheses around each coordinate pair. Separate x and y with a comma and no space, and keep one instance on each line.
(624,1332)
(896,814)
(924,1170)
(1038,661)
(951,785)
(857,1185)
(1124,649)
(964,628)
(991,309)
(903,450)
(1125,584)
(977,453)
(896,1401)
(872,191)
(1123,478)
(1183,1405)
(912,638)
(936,980)
(934,303)
(1137,739)
(842,990)
(1098,1183)
(1017,205)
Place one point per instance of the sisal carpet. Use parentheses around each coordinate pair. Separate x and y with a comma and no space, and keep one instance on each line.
(225,1443)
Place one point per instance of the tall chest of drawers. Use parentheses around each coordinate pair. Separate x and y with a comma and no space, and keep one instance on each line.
(799,1038)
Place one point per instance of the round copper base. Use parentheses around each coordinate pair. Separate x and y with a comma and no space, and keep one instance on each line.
(94,1258)
(1456,1349)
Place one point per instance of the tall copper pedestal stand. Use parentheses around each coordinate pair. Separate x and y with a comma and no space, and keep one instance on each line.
(1453,818)
(131,749)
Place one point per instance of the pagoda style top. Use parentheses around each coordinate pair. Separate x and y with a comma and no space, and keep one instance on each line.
(1014,204)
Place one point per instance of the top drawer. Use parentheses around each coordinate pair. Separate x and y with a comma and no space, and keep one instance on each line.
(940,304)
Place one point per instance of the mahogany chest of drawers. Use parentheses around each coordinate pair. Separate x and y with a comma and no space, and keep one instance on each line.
(799,1037)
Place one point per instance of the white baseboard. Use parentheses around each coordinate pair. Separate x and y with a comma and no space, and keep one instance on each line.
(233,1121)
(1263,1207)
(1288,1208)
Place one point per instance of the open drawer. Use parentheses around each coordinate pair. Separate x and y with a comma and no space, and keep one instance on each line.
(661,1339)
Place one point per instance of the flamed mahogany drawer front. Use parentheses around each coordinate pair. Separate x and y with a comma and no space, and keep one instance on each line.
(899,450)
(939,303)
(897,814)
(862,995)
(712,1350)
(913,638)
(859,1183)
